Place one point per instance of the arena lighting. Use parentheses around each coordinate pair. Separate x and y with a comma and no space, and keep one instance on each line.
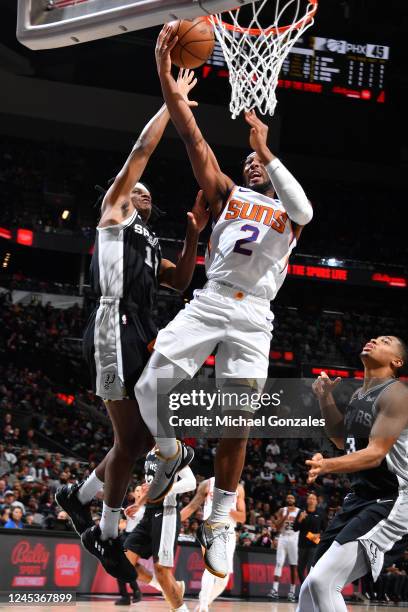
(332,262)
(67,399)
(6,260)
(65,214)
(25,237)
(5,233)
(392,281)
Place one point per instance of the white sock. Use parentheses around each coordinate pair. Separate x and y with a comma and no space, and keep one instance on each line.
(155,583)
(90,488)
(182,608)
(207,585)
(219,586)
(292,588)
(275,586)
(168,447)
(223,502)
(109,524)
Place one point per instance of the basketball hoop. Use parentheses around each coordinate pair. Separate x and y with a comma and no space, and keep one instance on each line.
(255,54)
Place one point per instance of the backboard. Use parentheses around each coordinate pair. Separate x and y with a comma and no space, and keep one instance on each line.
(47,24)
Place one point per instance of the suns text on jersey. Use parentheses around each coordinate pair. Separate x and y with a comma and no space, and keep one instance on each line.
(267,215)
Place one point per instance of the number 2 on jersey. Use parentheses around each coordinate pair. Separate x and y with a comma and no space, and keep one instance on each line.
(238,248)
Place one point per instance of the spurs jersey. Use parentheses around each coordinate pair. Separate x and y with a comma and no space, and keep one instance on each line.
(126,263)
(359,418)
(287,527)
(208,503)
(251,243)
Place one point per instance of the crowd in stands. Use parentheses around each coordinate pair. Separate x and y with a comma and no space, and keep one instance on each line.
(39,180)
(54,430)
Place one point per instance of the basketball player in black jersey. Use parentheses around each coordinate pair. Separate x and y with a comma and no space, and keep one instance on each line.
(126,270)
(374,517)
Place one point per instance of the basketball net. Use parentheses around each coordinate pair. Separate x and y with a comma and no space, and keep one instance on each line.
(254,55)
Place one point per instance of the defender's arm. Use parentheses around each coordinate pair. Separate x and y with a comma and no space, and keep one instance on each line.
(196,502)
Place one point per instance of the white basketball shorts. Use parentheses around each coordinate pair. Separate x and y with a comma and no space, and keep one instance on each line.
(239,323)
(287,550)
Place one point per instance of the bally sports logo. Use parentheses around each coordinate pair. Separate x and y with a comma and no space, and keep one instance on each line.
(67,569)
(32,562)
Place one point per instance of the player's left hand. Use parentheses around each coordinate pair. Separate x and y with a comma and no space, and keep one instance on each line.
(165,43)
(258,134)
(200,213)
(185,82)
(316,467)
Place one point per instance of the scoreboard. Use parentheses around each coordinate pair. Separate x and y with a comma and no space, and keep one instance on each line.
(327,66)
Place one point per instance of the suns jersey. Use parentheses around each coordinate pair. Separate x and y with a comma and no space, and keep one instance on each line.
(287,527)
(208,503)
(250,244)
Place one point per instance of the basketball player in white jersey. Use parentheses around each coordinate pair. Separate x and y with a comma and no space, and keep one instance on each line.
(156,535)
(212,586)
(253,235)
(373,520)
(287,547)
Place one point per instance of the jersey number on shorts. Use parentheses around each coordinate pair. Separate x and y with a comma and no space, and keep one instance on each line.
(238,248)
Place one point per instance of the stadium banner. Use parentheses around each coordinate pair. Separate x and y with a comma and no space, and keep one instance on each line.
(37,560)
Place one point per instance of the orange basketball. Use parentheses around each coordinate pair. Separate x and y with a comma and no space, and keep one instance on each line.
(195,42)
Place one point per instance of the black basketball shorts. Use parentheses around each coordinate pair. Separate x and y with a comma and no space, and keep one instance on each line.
(116,348)
(156,535)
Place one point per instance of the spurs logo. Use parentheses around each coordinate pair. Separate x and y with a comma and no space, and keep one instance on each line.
(109,380)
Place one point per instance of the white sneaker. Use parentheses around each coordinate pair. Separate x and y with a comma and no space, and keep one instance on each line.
(201,608)
(213,538)
(273,594)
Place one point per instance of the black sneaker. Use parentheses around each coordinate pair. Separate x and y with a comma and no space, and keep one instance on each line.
(123,601)
(136,597)
(166,471)
(80,515)
(110,553)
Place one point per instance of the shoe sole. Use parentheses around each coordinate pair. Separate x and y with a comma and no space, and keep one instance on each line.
(182,465)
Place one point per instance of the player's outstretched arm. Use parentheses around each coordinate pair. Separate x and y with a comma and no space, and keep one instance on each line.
(196,502)
(211,179)
(388,426)
(178,276)
(136,163)
(186,482)
(323,388)
(288,190)
(144,147)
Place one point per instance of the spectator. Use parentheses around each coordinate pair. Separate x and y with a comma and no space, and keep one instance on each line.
(15,521)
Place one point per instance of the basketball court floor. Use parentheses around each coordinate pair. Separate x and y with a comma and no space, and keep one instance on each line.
(221,606)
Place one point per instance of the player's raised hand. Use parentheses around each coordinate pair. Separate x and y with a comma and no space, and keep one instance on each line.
(200,213)
(131,510)
(316,467)
(185,82)
(165,43)
(258,134)
(323,385)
